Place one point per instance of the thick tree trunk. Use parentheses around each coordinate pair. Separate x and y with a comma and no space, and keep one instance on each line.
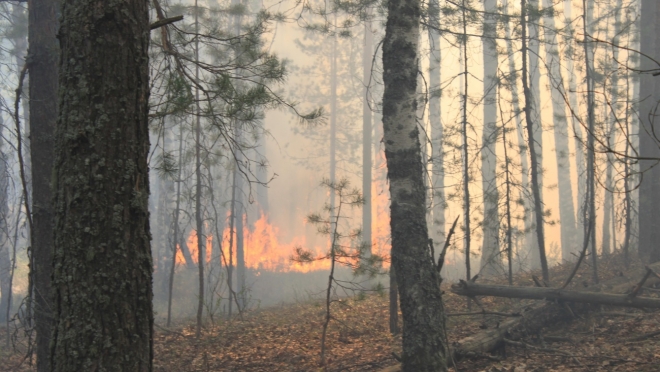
(42,65)
(491,260)
(424,347)
(102,261)
(649,202)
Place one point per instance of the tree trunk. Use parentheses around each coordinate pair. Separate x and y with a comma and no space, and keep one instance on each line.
(566,207)
(5,242)
(533,131)
(532,99)
(649,202)
(437,133)
(102,258)
(424,345)
(42,65)
(491,260)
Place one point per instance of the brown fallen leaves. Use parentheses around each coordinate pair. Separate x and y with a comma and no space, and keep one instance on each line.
(287,338)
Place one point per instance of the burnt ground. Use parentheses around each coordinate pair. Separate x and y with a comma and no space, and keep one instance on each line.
(287,338)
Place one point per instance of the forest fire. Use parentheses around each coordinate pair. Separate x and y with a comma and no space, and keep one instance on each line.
(380,212)
(264,251)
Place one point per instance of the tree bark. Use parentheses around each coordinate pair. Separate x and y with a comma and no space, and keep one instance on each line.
(102,261)
(424,345)
(42,65)
(532,103)
(491,260)
(437,131)
(533,131)
(5,257)
(649,133)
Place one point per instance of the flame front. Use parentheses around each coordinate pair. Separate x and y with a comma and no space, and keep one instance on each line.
(381,243)
(263,250)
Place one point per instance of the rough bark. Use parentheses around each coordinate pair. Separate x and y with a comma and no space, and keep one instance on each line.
(560,128)
(102,261)
(649,133)
(491,260)
(42,65)
(424,347)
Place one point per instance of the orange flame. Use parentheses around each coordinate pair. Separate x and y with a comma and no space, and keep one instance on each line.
(381,243)
(263,250)
(191,243)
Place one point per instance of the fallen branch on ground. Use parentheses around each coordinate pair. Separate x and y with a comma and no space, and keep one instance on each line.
(464,288)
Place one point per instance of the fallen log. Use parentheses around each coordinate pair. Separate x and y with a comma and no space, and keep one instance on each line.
(530,320)
(534,319)
(464,288)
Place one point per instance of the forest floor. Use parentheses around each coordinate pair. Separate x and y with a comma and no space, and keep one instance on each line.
(287,338)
